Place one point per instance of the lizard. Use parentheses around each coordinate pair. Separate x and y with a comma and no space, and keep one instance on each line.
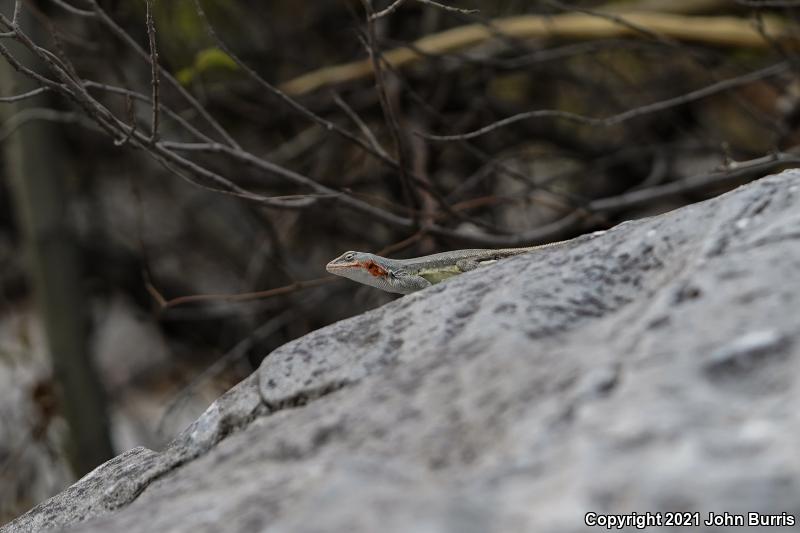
(404,276)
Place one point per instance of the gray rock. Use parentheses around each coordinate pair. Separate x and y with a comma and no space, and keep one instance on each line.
(653,368)
(32,437)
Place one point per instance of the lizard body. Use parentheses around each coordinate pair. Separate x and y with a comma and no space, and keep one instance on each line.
(405,276)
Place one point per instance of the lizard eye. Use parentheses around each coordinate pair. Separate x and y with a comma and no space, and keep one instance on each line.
(349,256)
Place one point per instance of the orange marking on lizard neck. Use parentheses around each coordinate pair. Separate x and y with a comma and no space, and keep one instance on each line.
(374,268)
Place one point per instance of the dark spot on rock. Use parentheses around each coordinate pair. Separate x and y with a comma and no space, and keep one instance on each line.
(464,312)
(658,322)
(750,297)
(505,309)
(395,343)
(760,206)
(719,246)
(685,293)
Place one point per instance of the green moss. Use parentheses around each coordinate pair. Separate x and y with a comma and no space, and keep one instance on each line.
(209,61)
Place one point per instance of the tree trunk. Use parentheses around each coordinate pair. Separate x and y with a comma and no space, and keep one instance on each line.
(36,166)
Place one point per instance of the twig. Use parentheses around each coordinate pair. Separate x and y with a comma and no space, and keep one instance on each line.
(65,84)
(445,7)
(153,292)
(328,125)
(736,171)
(47,82)
(216,183)
(765,121)
(131,112)
(567,198)
(138,96)
(75,89)
(393,7)
(621,20)
(718,30)
(24,96)
(297,178)
(240,297)
(57,37)
(74,10)
(151,37)
(389,112)
(301,143)
(32,114)
(174,162)
(304,111)
(388,11)
(118,129)
(127,39)
(17,11)
(360,123)
(619,118)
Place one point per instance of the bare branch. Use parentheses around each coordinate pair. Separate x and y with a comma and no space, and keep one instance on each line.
(445,7)
(131,112)
(74,10)
(718,31)
(62,79)
(29,72)
(31,114)
(331,126)
(736,171)
(212,181)
(298,179)
(24,96)
(621,20)
(127,39)
(388,111)
(184,168)
(247,296)
(304,111)
(17,11)
(151,37)
(360,123)
(138,96)
(394,6)
(619,118)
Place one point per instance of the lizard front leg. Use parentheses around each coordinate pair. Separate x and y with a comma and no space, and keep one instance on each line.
(406,283)
(467,264)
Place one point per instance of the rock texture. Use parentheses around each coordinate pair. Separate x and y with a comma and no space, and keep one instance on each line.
(32,466)
(653,368)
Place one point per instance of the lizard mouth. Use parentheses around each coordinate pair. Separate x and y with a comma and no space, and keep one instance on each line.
(334,267)
(371,267)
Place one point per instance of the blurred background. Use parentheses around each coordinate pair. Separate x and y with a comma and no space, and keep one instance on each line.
(150,259)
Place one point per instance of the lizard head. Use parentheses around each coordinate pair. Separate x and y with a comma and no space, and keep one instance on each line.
(363,267)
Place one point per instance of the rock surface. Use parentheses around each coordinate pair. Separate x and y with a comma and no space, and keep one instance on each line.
(652,368)
(32,465)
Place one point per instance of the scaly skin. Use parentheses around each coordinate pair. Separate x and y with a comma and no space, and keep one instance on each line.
(405,276)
